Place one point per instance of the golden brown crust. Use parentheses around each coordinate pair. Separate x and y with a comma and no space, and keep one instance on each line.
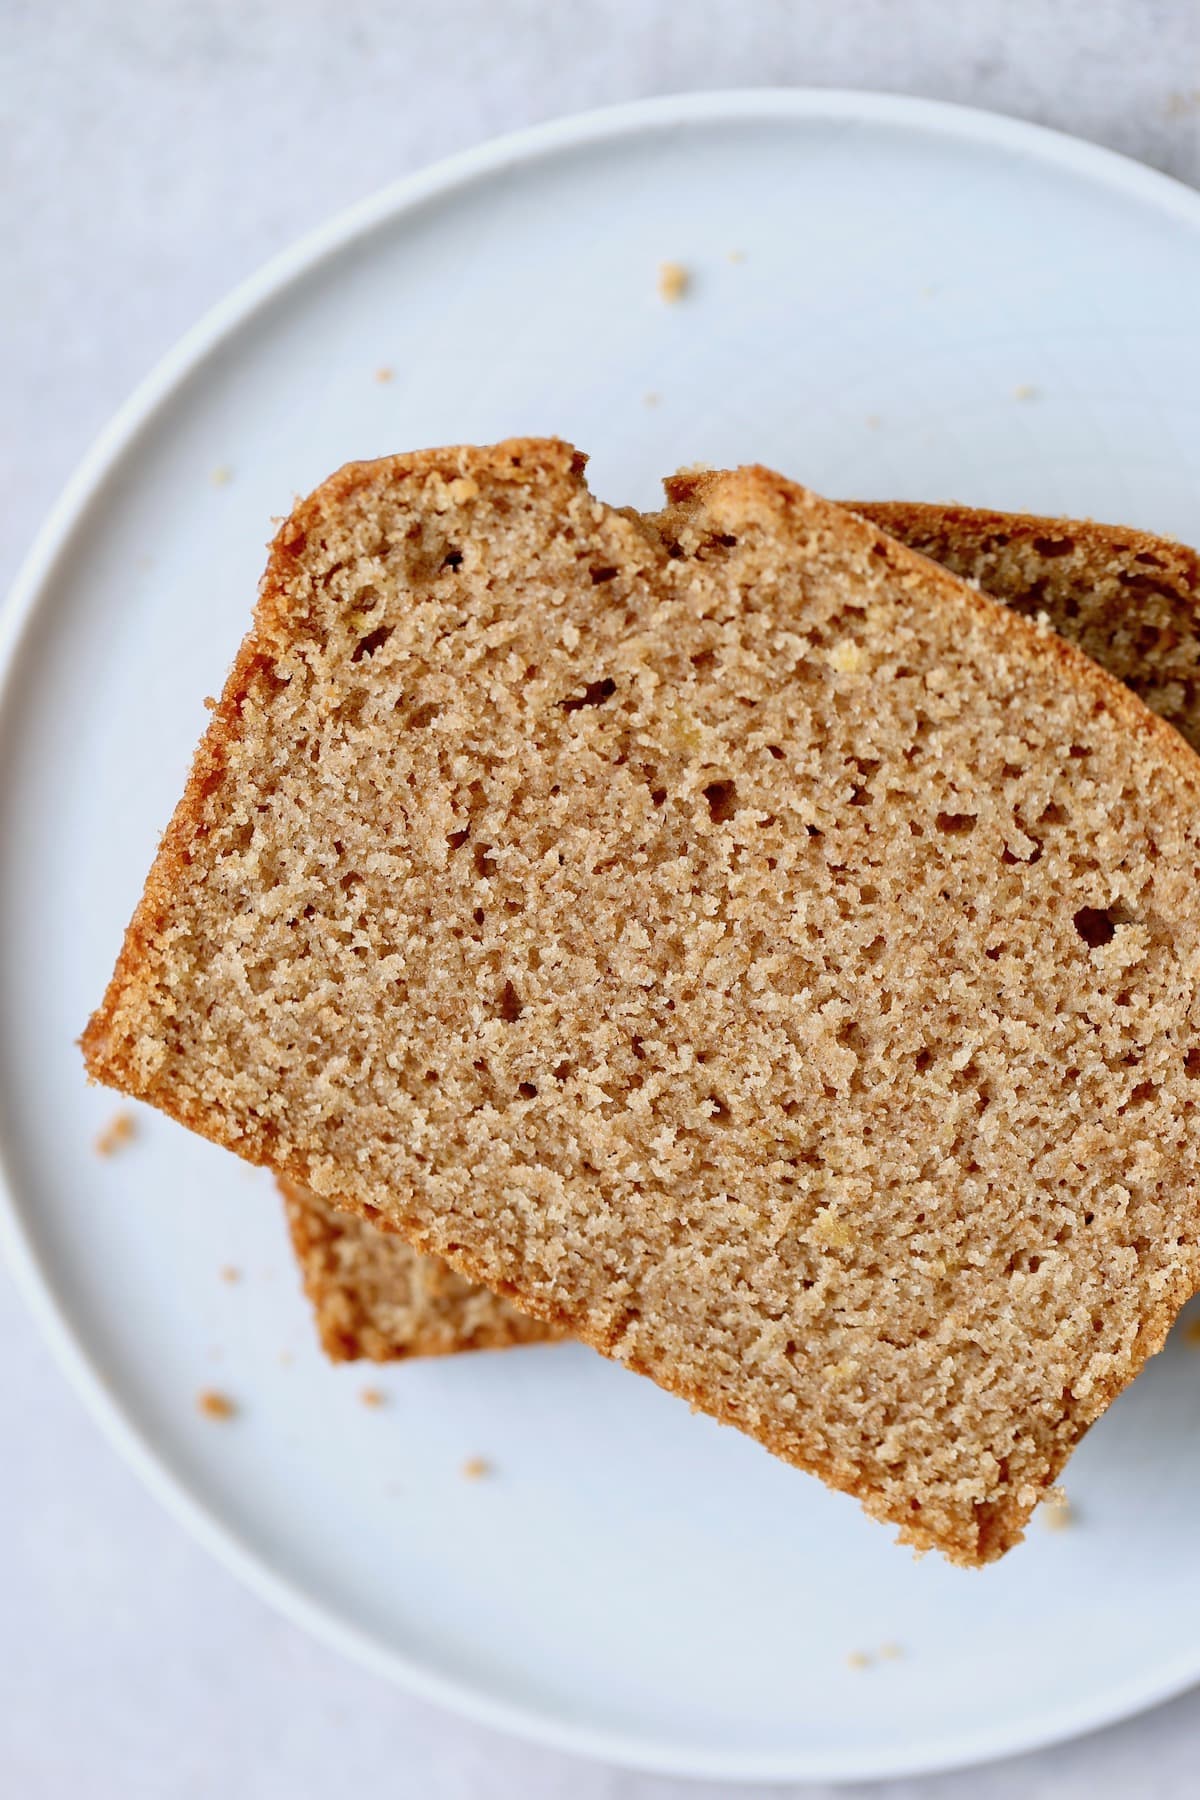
(501,1209)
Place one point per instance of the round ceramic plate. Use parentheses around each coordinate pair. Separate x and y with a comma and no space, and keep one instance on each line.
(885,298)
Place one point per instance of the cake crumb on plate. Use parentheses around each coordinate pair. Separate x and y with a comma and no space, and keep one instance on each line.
(475,1468)
(1057,1513)
(673,281)
(372,1396)
(120,1130)
(214,1405)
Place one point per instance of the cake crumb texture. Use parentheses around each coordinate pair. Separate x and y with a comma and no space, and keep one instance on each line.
(726,933)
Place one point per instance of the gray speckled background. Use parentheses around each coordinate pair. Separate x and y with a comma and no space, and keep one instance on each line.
(151,154)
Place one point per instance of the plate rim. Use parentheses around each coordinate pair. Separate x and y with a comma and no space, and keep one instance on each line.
(69,515)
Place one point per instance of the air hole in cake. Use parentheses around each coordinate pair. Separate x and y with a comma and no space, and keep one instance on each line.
(722,800)
(374,640)
(594,694)
(1096,925)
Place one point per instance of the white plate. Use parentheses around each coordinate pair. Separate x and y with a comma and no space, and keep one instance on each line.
(925,301)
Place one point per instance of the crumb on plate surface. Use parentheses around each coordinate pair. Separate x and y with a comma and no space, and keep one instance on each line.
(213,1404)
(673,281)
(120,1130)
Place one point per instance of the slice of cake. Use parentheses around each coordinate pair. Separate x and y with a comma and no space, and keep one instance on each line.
(730,936)
(1131,599)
